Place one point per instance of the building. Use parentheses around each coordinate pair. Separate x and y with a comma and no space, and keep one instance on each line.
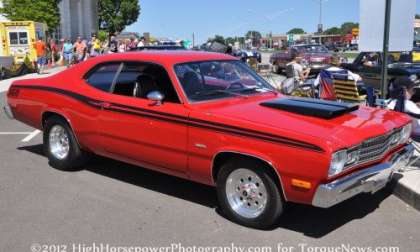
(78,18)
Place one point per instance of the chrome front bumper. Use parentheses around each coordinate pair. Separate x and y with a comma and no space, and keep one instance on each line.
(369,180)
(8,112)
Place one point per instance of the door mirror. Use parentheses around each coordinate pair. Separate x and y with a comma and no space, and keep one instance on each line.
(157,97)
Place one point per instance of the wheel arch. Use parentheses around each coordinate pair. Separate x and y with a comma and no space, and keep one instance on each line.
(223,156)
(49,113)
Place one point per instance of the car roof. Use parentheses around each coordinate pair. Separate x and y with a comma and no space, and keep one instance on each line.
(164,57)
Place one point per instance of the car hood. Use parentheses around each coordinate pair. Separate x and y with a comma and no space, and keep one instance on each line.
(342,131)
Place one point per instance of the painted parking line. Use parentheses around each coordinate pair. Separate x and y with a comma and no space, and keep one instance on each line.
(15,133)
(30,136)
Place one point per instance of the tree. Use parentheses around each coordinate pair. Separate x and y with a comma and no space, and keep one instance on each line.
(217,38)
(44,11)
(348,26)
(333,31)
(255,37)
(417,16)
(230,40)
(296,31)
(115,15)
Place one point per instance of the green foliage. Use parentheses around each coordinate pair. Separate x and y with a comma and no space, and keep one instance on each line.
(102,35)
(255,36)
(115,15)
(333,31)
(45,11)
(296,31)
(417,16)
(28,63)
(348,26)
(217,38)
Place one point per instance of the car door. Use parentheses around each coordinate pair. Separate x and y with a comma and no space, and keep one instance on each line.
(137,130)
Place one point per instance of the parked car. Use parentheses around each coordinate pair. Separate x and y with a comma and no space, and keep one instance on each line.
(245,55)
(209,118)
(400,64)
(317,57)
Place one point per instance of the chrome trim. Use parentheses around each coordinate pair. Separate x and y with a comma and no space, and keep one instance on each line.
(253,156)
(8,112)
(368,180)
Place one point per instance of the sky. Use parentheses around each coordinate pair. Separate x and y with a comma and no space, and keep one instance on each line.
(181,18)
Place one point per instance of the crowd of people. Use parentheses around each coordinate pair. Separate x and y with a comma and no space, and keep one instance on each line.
(66,52)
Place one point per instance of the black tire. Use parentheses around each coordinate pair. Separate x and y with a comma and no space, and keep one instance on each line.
(75,159)
(275,203)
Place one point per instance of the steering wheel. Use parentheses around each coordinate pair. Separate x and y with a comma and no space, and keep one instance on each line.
(235,85)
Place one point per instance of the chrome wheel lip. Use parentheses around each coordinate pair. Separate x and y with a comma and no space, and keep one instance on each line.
(59,145)
(246,193)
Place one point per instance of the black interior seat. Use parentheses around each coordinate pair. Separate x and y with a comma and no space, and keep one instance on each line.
(144,85)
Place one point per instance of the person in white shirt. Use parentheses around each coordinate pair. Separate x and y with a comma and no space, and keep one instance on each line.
(404,86)
(300,73)
(335,68)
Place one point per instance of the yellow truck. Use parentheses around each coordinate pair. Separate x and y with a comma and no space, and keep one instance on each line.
(17,39)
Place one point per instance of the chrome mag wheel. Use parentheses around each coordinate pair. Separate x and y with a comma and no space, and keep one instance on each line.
(59,142)
(246,193)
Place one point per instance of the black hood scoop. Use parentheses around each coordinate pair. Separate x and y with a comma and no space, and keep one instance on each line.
(311,107)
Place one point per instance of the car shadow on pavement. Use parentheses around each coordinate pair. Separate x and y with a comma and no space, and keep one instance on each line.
(310,221)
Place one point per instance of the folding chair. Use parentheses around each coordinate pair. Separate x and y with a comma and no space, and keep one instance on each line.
(346,89)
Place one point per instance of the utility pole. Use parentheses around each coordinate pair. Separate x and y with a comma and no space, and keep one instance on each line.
(320,26)
(384,77)
(193,40)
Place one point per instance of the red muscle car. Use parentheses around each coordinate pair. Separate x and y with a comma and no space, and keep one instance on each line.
(209,118)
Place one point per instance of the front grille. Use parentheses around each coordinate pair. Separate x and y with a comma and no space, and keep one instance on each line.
(374,148)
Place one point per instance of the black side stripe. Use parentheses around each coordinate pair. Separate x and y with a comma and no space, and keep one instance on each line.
(120,108)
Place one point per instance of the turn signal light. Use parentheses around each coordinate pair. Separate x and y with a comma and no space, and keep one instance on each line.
(301,184)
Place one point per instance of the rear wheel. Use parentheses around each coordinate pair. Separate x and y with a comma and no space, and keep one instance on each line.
(248,195)
(60,145)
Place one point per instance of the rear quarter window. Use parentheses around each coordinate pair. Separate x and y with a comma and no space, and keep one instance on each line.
(102,76)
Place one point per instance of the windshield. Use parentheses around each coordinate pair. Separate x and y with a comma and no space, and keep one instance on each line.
(312,49)
(211,80)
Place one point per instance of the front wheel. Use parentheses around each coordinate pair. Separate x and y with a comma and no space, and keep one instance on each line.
(60,145)
(248,194)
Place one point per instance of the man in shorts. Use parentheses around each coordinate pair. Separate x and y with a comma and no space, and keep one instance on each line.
(68,52)
(41,54)
(80,49)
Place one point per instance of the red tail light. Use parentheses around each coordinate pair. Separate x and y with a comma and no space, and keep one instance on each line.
(13,92)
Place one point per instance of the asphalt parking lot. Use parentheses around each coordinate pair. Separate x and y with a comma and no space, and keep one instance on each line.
(114,203)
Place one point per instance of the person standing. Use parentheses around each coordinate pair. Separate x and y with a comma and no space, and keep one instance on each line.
(141,42)
(113,45)
(54,51)
(67,52)
(96,47)
(41,54)
(80,50)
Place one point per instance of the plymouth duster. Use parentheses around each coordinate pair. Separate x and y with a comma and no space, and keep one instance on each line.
(207,117)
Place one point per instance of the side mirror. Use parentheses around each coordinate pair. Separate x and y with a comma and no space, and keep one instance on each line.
(157,97)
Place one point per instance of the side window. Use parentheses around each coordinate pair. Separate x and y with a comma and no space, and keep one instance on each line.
(102,76)
(23,38)
(138,79)
(13,37)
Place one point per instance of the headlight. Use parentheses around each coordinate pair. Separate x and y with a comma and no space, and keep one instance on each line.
(338,161)
(405,133)
(413,77)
